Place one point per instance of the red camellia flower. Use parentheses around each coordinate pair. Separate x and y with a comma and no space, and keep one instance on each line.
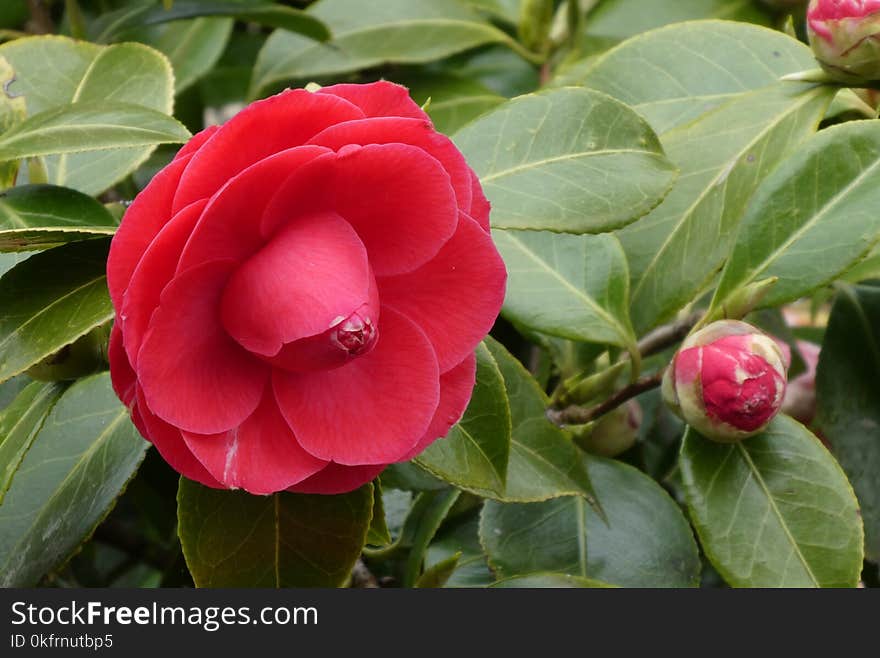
(727,381)
(299,293)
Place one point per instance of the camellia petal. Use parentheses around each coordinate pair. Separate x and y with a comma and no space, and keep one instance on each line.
(260,456)
(313,273)
(414,132)
(196,142)
(378,99)
(336,479)
(372,410)
(275,124)
(193,374)
(152,274)
(398,198)
(456,386)
(122,376)
(229,227)
(141,223)
(455,297)
(480,206)
(170,444)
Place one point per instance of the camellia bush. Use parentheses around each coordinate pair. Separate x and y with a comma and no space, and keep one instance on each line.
(440,293)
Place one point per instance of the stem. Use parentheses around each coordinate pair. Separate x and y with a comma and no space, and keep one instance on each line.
(575,415)
(40,21)
(573,388)
(668,335)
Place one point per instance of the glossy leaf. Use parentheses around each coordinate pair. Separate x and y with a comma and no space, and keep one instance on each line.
(849,399)
(461,539)
(775,510)
(505,10)
(624,18)
(548,579)
(807,239)
(569,160)
(271,14)
(41,216)
(400,31)
(544,462)
(12,111)
(675,251)
(426,515)
(234,539)
(439,574)
(50,300)
(77,465)
(378,533)
(19,424)
(475,453)
(645,542)
(571,286)
(674,74)
(455,101)
(52,72)
(89,126)
(193,47)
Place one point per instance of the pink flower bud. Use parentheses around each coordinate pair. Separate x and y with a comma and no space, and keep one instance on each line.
(800,395)
(845,36)
(727,381)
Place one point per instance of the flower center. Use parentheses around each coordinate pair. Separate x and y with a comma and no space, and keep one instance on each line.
(355,334)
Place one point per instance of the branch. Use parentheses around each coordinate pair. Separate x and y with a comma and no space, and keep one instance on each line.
(575,415)
(40,21)
(668,335)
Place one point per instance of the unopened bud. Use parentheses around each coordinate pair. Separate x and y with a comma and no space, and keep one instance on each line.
(614,433)
(845,36)
(727,381)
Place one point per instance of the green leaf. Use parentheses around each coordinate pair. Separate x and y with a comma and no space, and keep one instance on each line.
(710,88)
(439,574)
(571,286)
(570,160)
(42,216)
(808,240)
(428,512)
(505,10)
(677,73)
(775,510)
(624,18)
(454,100)
(544,462)
(50,300)
(90,126)
(676,250)
(460,539)
(399,31)
(868,268)
(849,399)
(235,539)
(549,579)
(12,111)
(646,541)
(378,533)
(475,453)
(19,424)
(111,25)
(53,72)
(76,467)
(193,47)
